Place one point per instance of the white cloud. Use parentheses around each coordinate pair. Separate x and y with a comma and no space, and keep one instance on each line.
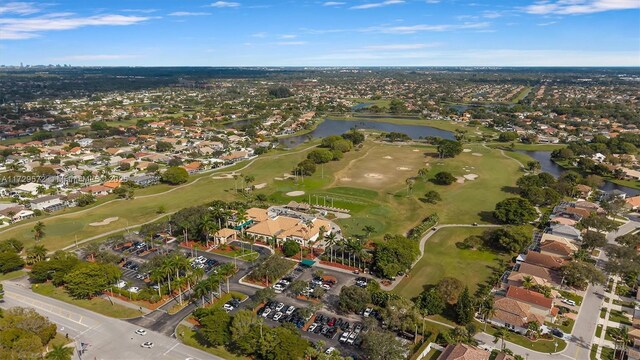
(577,7)
(143,11)
(411,29)
(400,46)
(288,36)
(20,8)
(99,57)
(224,4)
(433,1)
(333,3)
(377,5)
(290,43)
(26,28)
(548,23)
(259,35)
(189,13)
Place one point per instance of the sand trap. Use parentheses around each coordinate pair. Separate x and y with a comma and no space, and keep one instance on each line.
(476,154)
(470,177)
(295,193)
(345,179)
(374,176)
(106,221)
(466,150)
(416,150)
(460,180)
(261,186)
(387,157)
(227,176)
(403,168)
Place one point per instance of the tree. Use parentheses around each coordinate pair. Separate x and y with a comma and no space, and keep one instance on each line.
(280,92)
(431,197)
(89,279)
(508,136)
(516,211)
(449,148)
(592,240)
(36,254)
(449,288)
(38,231)
(10,261)
(512,239)
(305,167)
(598,222)
(60,352)
(533,165)
(353,299)
(290,248)
(382,345)
(320,156)
(464,307)
(175,175)
(444,178)
(578,274)
(394,255)
(12,245)
(431,302)
(85,199)
(215,327)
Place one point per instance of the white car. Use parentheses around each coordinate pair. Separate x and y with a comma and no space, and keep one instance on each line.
(141,332)
(285,282)
(134,289)
(278,288)
(312,327)
(121,284)
(325,286)
(344,337)
(290,310)
(367,312)
(266,312)
(279,306)
(352,338)
(569,302)
(330,350)
(147,344)
(277,316)
(227,307)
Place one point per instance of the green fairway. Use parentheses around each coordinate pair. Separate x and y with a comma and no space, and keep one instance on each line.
(96,304)
(370,182)
(443,259)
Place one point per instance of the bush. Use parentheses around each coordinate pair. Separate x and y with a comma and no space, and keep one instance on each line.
(427,223)
(444,178)
(175,175)
(290,248)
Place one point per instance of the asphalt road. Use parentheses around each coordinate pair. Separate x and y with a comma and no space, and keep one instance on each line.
(108,338)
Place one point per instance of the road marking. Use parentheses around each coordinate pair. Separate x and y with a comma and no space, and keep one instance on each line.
(173,347)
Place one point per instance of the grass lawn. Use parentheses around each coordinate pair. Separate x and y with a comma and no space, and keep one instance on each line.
(545,346)
(628,304)
(599,330)
(594,352)
(442,258)
(96,304)
(603,313)
(12,275)
(188,337)
(606,353)
(619,317)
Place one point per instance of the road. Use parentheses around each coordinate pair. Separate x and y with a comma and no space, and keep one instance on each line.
(108,338)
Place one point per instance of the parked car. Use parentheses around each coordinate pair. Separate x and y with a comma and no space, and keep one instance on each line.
(266,312)
(134,289)
(290,310)
(141,332)
(557,332)
(121,284)
(312,327)
(147,344)
(367,312)
(277,316)
(344,337)
(227,307)
(330,350)
(569,302)
(278,288)
(279,306)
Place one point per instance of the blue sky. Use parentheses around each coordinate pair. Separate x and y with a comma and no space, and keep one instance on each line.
(321,33)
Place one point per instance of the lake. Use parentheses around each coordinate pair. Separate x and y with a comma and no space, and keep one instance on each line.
(544,157)
(339,127)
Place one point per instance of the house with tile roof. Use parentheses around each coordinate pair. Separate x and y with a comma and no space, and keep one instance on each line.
(539,303)
(463,352)
(544,260)
(514,314)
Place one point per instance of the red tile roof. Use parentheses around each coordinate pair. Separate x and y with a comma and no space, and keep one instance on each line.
(529,297)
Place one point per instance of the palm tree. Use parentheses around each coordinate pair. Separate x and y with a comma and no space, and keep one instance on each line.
(36,254)
(368,229)
(331,241)
(38,231)
(499,335)
(207,226)
(60,352)
(200,291)
(527,282)
(423,172)
(488,310)
(410,183)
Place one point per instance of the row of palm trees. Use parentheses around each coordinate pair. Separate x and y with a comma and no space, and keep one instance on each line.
(176,272)
(355,250)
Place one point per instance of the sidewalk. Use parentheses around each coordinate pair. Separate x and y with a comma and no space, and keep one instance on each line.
(143,310)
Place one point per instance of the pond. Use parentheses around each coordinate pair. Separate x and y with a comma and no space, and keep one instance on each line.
(547,165)
(339,127)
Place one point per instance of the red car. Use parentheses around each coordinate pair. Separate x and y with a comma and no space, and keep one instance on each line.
(332,322)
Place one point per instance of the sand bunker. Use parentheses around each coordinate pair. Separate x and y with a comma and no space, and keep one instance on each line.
(403,168)
(226,176)
(295,193)
(387,157)
(261,186)
(416,150)
(476,154)
(460,180)
(466,150)
(345,179)
(374,176)
(470,177)
(106,221)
